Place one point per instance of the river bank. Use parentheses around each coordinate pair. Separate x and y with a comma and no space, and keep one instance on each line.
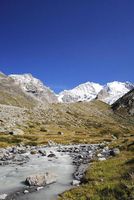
(68,163)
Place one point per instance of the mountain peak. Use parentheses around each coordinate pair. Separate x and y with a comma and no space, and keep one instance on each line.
(113,91)
(83,92)
(88,91)
(34,87)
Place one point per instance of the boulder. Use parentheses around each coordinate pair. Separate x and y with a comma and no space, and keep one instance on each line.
(33,152)
(40,179)
(60,133)
(26,192)
(16,132)
(115,152)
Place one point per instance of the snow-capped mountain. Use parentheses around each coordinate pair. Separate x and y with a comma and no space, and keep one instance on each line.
(84,92)
(108,93)
(88,91)
(113,91)
(35,88)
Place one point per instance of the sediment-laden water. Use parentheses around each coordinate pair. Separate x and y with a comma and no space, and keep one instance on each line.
(68,164)
(12,176)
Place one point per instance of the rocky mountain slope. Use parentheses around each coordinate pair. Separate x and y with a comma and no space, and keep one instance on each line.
(32,88)
(35,88)
(108,93)
(23,122)
(31,95)
(125,105)
(12,94)
(113,91)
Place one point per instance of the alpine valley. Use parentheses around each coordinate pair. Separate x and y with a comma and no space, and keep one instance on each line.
(84,136)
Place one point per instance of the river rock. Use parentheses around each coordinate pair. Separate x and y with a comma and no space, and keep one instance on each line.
(76,183)
(115,152)
(101,159)
(41,179)
(51,155)
(26,192)
(39,188)
(33,152)
(3,196)
(42,152)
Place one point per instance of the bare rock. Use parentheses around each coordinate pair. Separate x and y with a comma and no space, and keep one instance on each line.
(26,192)
(40,179)
(60,133)
(51,155)
(42,152)
(115,152)
(76,183)
(3,196)
(16,132)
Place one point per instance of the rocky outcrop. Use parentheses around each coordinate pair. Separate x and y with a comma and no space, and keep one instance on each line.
(35,88)
(12,94)
(125,105)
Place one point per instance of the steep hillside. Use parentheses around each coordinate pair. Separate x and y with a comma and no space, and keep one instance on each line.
(35,88)
(12,94)
(125,105)
(82,122)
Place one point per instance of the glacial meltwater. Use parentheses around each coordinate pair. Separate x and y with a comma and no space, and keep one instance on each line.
(67,163)
(13,176)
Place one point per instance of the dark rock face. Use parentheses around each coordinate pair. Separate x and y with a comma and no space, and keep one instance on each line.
(125,104)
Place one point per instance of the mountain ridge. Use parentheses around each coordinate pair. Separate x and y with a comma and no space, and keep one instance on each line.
(108,93)
(88,91)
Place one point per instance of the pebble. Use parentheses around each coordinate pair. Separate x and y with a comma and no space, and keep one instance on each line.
(26,192)
(39,188)
(76,183)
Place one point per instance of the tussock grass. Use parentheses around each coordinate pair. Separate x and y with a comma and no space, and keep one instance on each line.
(107,180)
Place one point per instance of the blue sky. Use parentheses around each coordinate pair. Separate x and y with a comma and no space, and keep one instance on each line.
(68,42)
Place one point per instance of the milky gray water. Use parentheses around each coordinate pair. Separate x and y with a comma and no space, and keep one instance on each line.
(12,176)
